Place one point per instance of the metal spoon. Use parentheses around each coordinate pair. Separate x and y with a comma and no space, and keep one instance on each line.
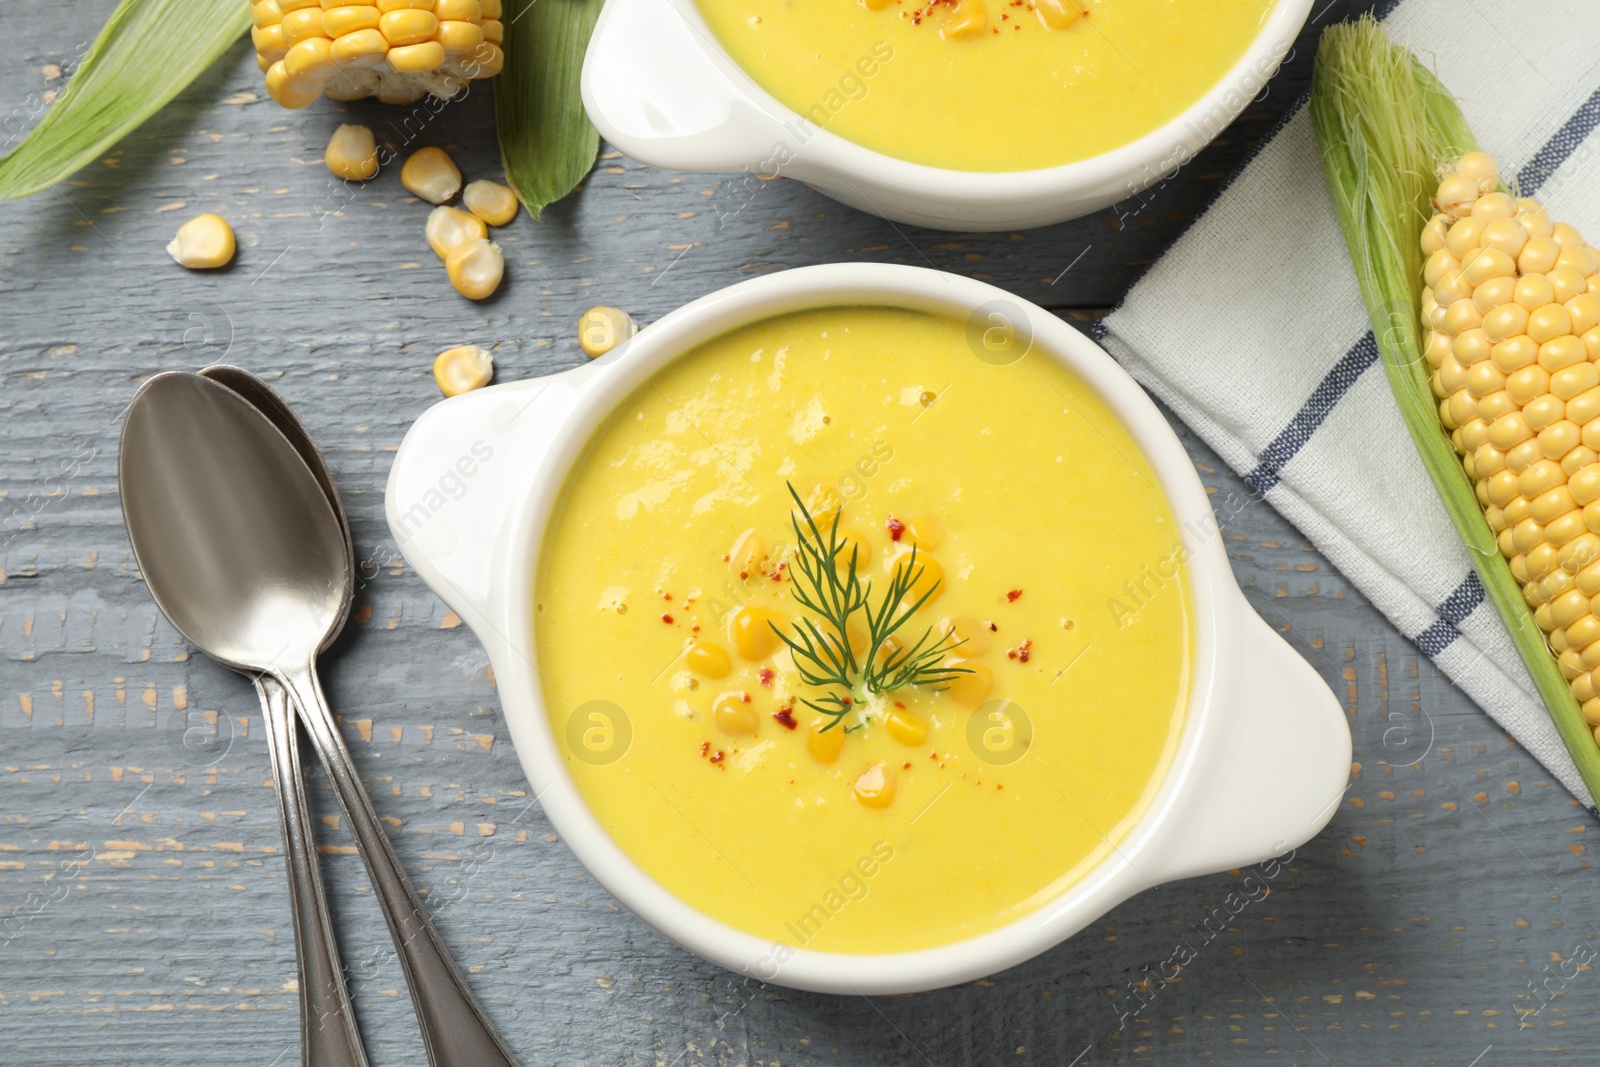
(246,556)
(324,998)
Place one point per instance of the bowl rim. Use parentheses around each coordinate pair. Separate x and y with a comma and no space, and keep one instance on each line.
(1112,879)
(1140,163)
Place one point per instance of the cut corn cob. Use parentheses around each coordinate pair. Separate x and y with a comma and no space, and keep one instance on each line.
(396,50)
(1511,314)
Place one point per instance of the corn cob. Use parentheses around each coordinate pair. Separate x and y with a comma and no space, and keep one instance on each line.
(395,50)
(1511,318)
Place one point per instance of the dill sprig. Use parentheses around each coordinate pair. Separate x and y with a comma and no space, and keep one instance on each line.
(827,585)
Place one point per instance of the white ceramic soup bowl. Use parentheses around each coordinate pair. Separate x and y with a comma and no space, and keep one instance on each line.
(1264,753)
(660,87)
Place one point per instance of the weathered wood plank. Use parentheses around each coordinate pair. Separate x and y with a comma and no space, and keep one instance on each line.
(142,913)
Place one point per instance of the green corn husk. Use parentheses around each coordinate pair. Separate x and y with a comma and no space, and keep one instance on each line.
(547,143)
(1384,125)
(148,52)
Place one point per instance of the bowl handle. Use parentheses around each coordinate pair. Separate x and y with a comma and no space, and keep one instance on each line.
(462,469)
(658,87)
(1275,762)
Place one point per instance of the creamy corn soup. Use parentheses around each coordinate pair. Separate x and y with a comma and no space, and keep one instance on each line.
(1006,696)
(988,85)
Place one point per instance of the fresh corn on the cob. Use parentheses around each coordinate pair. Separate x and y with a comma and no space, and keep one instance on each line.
(395,50)
(1511,314)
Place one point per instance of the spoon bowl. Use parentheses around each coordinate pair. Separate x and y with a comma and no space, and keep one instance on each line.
(265,575)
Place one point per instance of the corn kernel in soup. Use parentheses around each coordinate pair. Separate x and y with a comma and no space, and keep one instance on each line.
(988,85)
(863,787)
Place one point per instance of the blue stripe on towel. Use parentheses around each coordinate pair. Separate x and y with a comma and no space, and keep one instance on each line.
(1441,634)
(1324,398)
(1547,161)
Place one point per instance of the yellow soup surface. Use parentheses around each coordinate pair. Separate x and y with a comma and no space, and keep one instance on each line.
(924,815)
(906,80)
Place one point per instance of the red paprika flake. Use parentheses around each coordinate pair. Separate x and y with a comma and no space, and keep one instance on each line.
(705,747)
(667,619)
(718,758)
(1012,595)
(1022,651)
(785,718)
(896,528)
(767,674)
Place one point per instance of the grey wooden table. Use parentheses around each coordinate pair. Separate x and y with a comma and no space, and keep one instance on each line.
(143,918)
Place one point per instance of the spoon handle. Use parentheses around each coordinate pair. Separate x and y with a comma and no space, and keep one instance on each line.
(455,1030)
(328,1033)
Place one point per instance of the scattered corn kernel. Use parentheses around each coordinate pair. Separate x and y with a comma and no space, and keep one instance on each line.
(927,577)
(430,173)
(975,636)
(490,201)
(971,689)
(603,328)
(462,369)
(476,267)
(752,633)
(1058,14)
(204,242)
(748,552)
(875,787)
(854,545)
(924,531)
(825,742)
(967,19)
(906,727)
(709,659)
(735,714)
(352,153)
(448,228)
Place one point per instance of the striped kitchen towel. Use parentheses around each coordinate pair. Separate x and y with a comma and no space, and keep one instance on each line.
(1251,328)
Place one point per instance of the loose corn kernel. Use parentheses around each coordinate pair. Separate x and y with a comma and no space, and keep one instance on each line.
(824,504)
(751,631)
(748,552)
(352,153)
(449,228)
(906,727)
(1058,14)
(875,786)
(925,574)
(735,714)
(975,636)
(202,243)
(824,741)
(430,174)
(973,688)
(709,659)
(462,369)
(854,545)
(600,329)
(924,531)
(475,268)
(490,201)
(967,19)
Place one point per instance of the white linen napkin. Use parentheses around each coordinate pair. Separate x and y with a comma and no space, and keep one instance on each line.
(1252,330)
